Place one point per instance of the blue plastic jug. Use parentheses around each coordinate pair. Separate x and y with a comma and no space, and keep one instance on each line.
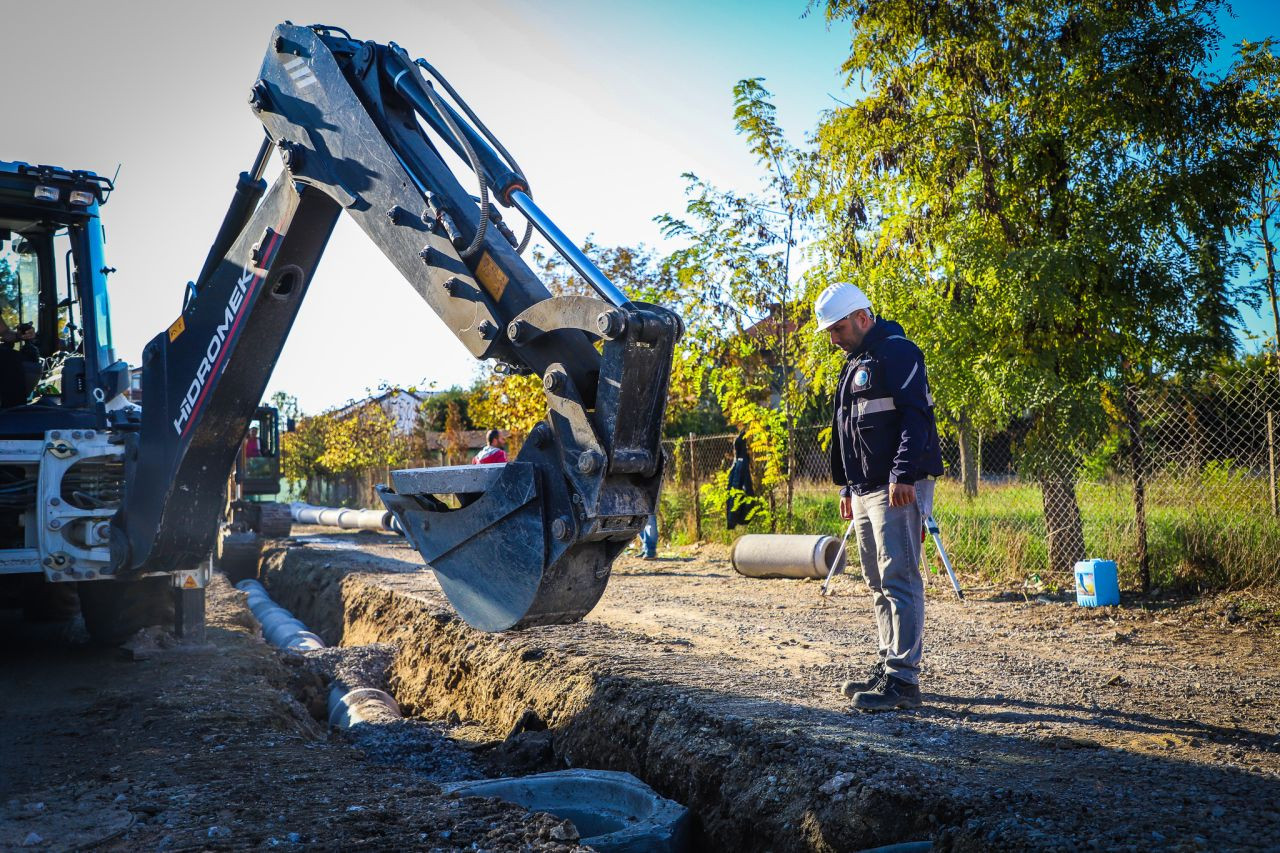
(1097,583)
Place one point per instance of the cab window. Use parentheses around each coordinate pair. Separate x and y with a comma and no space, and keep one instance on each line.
(19,280)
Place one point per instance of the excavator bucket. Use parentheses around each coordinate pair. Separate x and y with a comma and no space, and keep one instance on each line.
(531,542)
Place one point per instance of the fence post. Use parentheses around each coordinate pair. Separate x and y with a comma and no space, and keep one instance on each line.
(697,502)
(1271,453)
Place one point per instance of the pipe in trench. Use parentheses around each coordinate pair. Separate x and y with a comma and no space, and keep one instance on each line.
(347,519)
(763,555)
(279,626)
(348,706)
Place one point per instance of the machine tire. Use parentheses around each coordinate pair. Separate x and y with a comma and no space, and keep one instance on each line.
(43,601)
(237,554)
(114,611)
(275,520)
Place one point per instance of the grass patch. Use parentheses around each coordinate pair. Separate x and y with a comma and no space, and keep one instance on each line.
(1000,535)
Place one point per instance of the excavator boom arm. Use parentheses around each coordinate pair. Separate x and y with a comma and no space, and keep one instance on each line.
(360,129)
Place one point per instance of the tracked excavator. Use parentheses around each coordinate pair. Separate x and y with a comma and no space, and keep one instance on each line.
(251,514)
(123,502)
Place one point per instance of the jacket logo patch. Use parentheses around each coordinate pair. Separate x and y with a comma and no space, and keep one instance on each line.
(861,378)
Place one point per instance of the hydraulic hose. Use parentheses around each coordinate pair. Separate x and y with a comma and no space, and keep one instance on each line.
(415,96)
(493,140)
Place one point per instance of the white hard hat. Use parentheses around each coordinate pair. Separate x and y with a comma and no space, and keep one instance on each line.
(838,301)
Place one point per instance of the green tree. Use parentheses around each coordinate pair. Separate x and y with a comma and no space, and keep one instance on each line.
(434,410)
(1257,74)
(1041,191)
(343,443)
(511,402)
(287,405)
(301,448)
(732,285)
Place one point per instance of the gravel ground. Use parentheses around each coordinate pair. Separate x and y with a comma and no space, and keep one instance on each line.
(1152,725)
(215,748)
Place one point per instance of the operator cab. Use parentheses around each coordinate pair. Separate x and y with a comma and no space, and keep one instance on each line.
(257,471)
(57,362)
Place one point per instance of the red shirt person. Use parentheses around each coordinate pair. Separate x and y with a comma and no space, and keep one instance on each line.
(492,453)
(251,445)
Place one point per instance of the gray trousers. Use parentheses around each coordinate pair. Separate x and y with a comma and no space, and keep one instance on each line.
(889,546)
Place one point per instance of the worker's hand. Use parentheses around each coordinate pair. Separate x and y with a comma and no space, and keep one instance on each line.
(901,494)
(846,508)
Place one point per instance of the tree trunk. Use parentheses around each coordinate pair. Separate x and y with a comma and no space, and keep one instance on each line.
(968,456)
(791,469)
(1266,208)
(1062,521)
(1138,466)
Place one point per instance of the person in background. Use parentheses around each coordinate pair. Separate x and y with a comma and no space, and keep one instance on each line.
(492,453)
(14,384)
(251,445)
(649,538)
(884,455)
(741,491)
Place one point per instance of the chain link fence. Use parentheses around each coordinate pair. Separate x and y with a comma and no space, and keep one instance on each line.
(1178,484)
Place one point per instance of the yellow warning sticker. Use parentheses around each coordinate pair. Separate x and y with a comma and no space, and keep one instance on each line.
(189,581)
(179,326)
(491,276)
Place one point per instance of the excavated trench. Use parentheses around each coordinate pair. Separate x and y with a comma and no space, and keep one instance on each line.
(755,777)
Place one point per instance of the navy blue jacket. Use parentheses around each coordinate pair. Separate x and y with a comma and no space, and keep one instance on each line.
(883,430)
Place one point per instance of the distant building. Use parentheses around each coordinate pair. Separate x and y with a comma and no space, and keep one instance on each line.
(401,406)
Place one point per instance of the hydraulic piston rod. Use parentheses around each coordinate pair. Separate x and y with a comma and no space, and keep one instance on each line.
(576,258)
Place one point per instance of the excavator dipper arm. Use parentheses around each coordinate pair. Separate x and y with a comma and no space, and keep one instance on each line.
(361,129)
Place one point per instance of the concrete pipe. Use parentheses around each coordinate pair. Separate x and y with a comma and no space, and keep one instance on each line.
(762,555)
(347,519)
(350,708)
(347,706)
(305,513)
(279,627)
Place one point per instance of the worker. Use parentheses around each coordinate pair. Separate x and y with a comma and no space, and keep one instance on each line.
(252,447)
(884,454)
(741,500)
(15,384)
(649,538)
(492,452)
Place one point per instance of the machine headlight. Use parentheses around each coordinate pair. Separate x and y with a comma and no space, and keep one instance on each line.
(44,193)
(81,197)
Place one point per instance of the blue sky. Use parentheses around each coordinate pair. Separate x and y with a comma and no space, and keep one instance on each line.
(604,105)
(1253,20)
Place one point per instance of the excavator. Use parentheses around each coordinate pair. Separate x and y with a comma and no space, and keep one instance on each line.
(251,515)
(123,502)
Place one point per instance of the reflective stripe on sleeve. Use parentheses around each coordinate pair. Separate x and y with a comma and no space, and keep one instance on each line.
(911,375)
(882,404)
(877,404)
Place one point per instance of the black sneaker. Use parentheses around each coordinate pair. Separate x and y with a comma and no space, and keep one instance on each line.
(874,676)
(889,694)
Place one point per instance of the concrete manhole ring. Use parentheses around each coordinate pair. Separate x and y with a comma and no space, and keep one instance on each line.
(614,812)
